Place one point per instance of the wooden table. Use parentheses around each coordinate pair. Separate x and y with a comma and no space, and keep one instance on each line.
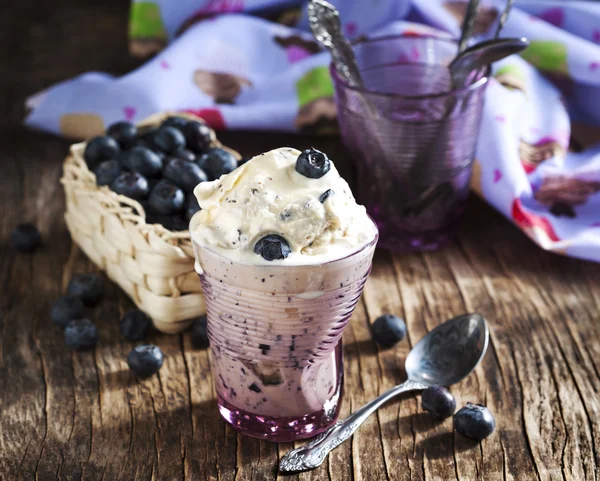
(72,416)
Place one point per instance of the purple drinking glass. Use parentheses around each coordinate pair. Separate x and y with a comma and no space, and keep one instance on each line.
(275,340)
(411,137)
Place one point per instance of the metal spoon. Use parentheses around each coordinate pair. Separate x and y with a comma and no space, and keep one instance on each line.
(443,357)
(483,54)
(324,20)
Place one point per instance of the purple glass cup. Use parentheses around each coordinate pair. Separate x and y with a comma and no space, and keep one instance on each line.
(411,137)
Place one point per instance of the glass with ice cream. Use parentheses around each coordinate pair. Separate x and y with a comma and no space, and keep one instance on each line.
(283,251)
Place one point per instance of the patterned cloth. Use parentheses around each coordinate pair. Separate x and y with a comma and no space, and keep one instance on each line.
(258,67)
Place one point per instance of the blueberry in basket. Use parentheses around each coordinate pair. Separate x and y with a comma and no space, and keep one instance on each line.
(145,360)
(175,222)
(25,238)
(217,162)
(132,185)
(191,206)
(166,199)
(125,133)
(87,287)
(142,160)
(66,309)
(174,121)
(100,149)
(168,140)
(81,335)
(198,136)
(185,175)
(108,171)
(186,155)
(134,325)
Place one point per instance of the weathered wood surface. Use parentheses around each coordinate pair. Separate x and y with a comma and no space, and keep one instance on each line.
(83,416)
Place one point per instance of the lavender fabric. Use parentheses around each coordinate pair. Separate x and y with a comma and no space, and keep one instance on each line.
(253,64)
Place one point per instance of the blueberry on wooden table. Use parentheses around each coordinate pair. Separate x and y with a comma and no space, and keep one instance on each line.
(25,238)
(81,334)
(125,133)
(142,160)
(131,184)
(199,333)
(145,360)
(312,163)
(387,330)
(108,171)
(272,247)
(185,175)
(168,140)
(99,149)
(438,401)
(166,199)
(217,162)
(66,309)
(174,121)
(474,421)
(134,325)
(198,136)
(87,287)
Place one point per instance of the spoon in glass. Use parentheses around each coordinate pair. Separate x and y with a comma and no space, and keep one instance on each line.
(445,356)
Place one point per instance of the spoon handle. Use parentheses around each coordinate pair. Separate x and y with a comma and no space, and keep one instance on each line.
(314,453)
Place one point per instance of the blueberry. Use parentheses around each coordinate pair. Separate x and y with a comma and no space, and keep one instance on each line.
(66,309)
(387,330)
(185,175)
(172,222)
(272,247)
(81,334)
(100,149)
(134,325)
(474,421)
(145,360)
(132,185)
(325,195)
(198,136)
(312,163)
(217,162)
(438,401)
(191,206)
(199,334)
(88,287)
(146,139)
(168,140)
(143,161)
(25,238)
(186,155)
(166,199)
(107,171)
(177,122)
(125,133)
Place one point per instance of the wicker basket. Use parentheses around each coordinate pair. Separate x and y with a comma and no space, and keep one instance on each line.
(153,265)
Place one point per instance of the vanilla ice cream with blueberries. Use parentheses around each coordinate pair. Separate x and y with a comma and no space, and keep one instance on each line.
(284,206)
(283,251)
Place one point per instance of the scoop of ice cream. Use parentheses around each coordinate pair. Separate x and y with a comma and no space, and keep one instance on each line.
(318,217)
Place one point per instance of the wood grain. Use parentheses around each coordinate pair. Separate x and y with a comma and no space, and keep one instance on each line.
(83,416)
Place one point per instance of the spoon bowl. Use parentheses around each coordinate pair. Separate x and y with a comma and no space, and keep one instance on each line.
(449,352)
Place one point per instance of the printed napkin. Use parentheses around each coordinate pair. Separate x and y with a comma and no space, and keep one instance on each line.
(253,64)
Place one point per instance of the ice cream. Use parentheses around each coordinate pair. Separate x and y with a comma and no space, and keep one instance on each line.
(283,252)
(318,217)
